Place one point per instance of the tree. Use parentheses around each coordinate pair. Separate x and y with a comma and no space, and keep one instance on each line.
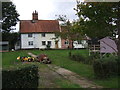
(62,18)
(9,19)
(118,26)
(11,37)
(9,16)
(100,18)
(66,26)
(70,30)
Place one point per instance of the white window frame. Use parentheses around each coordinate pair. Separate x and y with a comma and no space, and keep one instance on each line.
(50,43)
(30,43)
(42,43)
(66,42)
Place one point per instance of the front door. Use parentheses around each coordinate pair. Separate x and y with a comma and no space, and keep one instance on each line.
(56,44)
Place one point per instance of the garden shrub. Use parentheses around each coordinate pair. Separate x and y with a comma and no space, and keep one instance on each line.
(90,60)
(106,67)
(23,77)
(48,47)
(70,54)
(78,57)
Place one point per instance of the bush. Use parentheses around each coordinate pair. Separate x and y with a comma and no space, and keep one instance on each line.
(78,57)
(70,54)
(106,67)
(47,46)
(81,58)
(26,77)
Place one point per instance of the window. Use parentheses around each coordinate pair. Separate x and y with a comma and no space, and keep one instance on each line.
(79,42)
(30,35)
(30,43)
(49,43)
(43,43)
(43,34)
(66,42)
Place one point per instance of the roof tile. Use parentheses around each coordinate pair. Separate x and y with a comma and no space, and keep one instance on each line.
(27,26)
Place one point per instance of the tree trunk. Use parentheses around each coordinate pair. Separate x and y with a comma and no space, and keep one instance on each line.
(118,26)
(118,46)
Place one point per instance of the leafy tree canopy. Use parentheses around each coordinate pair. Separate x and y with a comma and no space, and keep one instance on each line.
(99,18)
(9,16)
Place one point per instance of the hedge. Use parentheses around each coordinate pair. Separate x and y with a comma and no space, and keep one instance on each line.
(81,58)
(23,77)
(103,68)
(106,67)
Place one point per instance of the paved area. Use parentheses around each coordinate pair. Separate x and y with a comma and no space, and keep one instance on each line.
(67,74)
(73,77)
(47,78)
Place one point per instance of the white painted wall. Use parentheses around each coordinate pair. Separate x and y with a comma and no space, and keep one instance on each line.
(37,40)
(83,44)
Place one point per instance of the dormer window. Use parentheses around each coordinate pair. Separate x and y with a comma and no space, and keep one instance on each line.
(43,34)
(30,35)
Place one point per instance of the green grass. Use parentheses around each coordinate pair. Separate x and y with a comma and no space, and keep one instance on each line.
(10,58)
(61,58)
(109,83)
(66,84)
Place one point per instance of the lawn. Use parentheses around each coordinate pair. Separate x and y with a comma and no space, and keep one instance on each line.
(61,58)
(10,58)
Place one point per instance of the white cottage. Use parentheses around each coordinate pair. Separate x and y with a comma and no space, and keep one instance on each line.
(39,33)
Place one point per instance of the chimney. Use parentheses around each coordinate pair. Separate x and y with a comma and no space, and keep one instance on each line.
(35,15)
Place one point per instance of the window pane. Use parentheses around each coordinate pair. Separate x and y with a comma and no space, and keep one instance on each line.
(49,43)
(66,42)
(30,35)
(43,43)
(30,43)
(79,42)
(43,34)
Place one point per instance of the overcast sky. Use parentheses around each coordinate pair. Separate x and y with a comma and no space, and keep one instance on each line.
(47,9)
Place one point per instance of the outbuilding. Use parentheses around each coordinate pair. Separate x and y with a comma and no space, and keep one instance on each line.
(4,46)
(107,45)
(103,46)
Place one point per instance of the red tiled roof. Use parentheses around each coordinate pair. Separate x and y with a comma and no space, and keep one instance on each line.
(27,26)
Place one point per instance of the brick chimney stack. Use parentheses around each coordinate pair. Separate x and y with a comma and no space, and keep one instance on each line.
(35,15)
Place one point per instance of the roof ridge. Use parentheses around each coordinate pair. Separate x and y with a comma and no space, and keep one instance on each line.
(39,20)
